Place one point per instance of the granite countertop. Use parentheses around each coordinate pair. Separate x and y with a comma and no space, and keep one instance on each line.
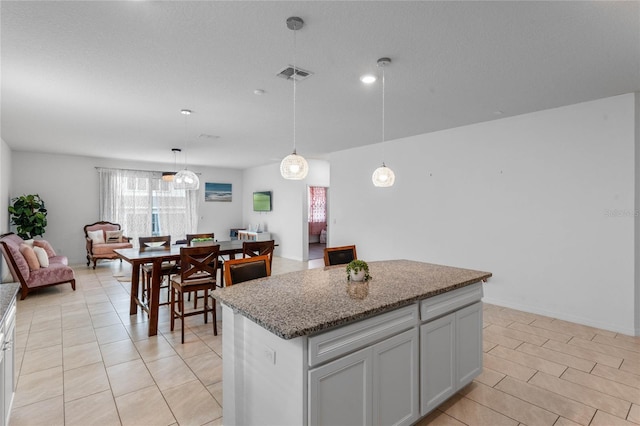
(8,292)
(307,302)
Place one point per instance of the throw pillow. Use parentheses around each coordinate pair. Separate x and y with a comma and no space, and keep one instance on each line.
(29,242)
(96,236)
(114,236)
(6,273)
(46,246)
(30,257)
(41,254)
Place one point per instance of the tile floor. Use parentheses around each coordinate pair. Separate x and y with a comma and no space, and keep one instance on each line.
(82,360)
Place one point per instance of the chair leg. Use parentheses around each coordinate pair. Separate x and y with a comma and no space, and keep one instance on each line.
(215,319)
(173,307)
(181,298)
(206,305)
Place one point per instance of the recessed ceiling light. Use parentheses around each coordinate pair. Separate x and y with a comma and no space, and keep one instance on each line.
(368,78)
(207,136)
(185,111)
(258,92)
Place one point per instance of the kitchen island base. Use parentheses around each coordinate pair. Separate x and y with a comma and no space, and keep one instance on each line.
(391,368)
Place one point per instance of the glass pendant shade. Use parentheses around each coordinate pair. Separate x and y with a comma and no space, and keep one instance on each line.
(168,176)
(294,167)
(383,177)
(186,179)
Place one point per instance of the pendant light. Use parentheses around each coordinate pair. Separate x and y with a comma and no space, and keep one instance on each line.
(186,179)
(294,166)
(170,176)
(383,176)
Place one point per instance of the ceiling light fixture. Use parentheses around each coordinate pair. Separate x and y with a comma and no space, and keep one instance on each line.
(383,176)
(368,79)
(186,179)
(169,176)
(294,166)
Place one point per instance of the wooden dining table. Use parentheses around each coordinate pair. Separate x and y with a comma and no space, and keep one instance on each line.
(156,256)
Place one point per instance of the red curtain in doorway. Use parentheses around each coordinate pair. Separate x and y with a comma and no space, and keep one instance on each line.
(317,209)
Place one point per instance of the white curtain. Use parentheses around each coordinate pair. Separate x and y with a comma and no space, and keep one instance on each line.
(145,205)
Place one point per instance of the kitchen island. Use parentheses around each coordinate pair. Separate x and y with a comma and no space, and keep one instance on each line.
(309,347)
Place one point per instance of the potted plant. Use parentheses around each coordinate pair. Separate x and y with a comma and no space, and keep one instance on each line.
(358,270)
(202,242)
(29,215)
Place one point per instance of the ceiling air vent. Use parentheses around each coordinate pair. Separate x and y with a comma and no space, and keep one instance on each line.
(288,74)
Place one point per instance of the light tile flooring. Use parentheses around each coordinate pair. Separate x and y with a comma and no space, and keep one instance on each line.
(83,360)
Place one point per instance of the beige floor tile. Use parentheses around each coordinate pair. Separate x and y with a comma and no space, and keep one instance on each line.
(190,348)
(565,327)
(144,407)
(610,387)
(472,413)
(527,360)
(565,422)
(207,367)
(118,352)
(43,339)
(41,359)
(558,404)
(103,320)
(630,365)
(439,418)
(515,334)
(192,404)
(48,412)
(138,330)
(605,349)
(509,368)
(542,332)
(634,414)
(78,336)
(580,393)
(557,357)
(508,405)
(489,377)
(111,333)
(216,422)
(154,348)
(170,372)
(38,386)
(635,339)
(79,319)
(79,355)
(494,317)
(605,419)
(492,336)
(631,345)
(487,345)
(84,381)
(98,409)
(101,308)
(216,390)
(129,377)
(583,353)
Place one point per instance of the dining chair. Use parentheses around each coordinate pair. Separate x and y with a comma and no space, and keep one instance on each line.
(167,268)
(247,268)
(339,255)
(211,235)
(259,248)
(198,267)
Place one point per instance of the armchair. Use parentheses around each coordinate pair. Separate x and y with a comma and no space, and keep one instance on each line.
(101,239)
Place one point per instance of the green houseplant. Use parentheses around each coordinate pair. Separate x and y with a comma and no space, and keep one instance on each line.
(358,270)
(29,214)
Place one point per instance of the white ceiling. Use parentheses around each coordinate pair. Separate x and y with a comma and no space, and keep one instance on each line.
(108,79)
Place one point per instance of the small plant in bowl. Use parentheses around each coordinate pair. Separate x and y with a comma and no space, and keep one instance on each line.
(358,270)
(202,242)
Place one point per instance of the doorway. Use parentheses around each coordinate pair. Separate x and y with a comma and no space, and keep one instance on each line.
(317,217)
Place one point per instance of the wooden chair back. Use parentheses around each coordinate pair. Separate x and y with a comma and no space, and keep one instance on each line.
(245,269)
(339,255)
(198,264)
(259,248)
(166,239)
(192,236)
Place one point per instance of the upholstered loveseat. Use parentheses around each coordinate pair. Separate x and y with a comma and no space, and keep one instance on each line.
(35,264)
(102,238)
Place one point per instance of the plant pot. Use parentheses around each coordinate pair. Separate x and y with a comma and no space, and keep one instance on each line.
(357,277)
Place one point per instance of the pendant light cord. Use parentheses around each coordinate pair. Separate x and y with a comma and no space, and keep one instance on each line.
(383,103)
(295,71)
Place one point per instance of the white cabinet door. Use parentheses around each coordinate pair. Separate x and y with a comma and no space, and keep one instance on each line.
(437,362)
(340,392)
(395,380)
(468,344)
(9,366)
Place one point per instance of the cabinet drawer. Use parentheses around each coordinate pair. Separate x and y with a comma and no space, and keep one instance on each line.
(341,341)
(442,304)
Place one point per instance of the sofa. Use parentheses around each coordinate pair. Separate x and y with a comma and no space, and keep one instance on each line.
(34,264)
(102,238)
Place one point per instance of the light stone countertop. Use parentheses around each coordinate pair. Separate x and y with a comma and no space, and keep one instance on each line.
(8,292)
(307,302)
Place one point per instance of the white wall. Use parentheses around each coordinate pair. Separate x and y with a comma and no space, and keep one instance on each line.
(544,201)
(69,186)
(287,220)
(5,182)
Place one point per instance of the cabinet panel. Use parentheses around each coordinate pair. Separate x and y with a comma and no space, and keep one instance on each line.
(469,343)
(441,304)
(437,364)
(396,377)
(340,392)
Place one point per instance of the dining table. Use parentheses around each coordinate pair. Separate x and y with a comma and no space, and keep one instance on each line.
(156,256)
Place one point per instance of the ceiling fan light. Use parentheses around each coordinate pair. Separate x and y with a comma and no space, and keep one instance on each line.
(294,167)
(383,177)
(186,179)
